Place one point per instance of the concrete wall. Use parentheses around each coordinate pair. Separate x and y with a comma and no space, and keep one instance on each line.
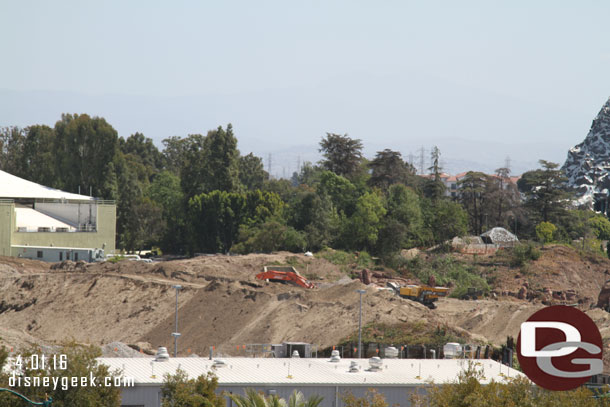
(105,234)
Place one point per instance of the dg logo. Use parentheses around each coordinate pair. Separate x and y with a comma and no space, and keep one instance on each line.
(560,348)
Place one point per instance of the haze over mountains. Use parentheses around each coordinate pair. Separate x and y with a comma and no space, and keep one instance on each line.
(291,125)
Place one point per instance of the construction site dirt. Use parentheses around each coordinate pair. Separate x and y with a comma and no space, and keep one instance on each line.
(223,305)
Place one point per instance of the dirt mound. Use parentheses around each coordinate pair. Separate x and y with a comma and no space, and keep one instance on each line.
(223,305)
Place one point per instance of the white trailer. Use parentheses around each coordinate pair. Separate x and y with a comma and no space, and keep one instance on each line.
(56,254)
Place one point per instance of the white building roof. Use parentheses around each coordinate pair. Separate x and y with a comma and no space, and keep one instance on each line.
(278,372)
(15,187)
(31,220)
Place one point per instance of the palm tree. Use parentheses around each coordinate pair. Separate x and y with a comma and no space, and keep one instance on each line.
(258,399)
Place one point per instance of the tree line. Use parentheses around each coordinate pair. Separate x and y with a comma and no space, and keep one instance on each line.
(199,193)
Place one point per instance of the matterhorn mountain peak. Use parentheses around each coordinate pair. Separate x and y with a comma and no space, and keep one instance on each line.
(588,164)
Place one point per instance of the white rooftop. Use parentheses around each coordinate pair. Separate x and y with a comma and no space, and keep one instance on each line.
(289,371)
(15,187)
(31,220)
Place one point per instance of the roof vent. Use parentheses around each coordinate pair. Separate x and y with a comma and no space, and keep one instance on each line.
(391,352)
(295,354)
(334,356)
(353,367)
(375,364)
(162,354)
(218,363)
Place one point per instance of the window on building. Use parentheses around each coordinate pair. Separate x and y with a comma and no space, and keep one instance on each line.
(61,256)
(67,255)
(75,256)
(454,186)
(39,254)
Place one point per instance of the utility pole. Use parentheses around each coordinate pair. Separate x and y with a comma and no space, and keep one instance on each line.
(360,325)
(176,334)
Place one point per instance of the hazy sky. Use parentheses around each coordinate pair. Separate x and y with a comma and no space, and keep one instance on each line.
(480,79)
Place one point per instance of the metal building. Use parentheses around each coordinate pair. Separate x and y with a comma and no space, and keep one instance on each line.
(41,222)
(396,379)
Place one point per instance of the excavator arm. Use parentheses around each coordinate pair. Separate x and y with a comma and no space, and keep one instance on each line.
(285,276)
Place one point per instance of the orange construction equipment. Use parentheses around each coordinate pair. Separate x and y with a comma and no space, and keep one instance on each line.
(285,274)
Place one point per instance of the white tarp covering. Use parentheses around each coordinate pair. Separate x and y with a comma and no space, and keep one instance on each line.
(29,220)
(499,236)
(15,187)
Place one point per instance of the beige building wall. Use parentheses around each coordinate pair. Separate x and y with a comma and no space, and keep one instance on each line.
(103,237)
(7,226)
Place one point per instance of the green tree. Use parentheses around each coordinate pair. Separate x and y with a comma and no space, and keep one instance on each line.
(220,161)
(143,151)
(340,190)
(309,175)
(403,206)
(502,199)
(174,153)
(270,236)
(388,168)
(342,154)
(180,391)
(601,226)
(38,163)
(372,398)
(433,187)
(81,362)
(363,227)
(191,161)
(210,163)
(215,218)
(472,196)
(545,231)
(85,146)
(545,192)
(165,191)
(251,172)
(444,220)
(468,391)
(12,140)
(316,215)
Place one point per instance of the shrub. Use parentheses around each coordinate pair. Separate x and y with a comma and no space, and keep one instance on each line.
(522,253)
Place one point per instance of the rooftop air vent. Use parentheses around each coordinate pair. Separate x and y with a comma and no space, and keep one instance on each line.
(375,364)
(334,356)
(162,354)
(353,367)
(391,352)
(295,354)
(218,363)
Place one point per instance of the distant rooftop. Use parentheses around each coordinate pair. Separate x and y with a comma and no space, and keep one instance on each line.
(305,371)
(18,188)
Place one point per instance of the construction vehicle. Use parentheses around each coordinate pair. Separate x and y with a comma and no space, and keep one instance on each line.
(472,294)
(423,294)
(284,274)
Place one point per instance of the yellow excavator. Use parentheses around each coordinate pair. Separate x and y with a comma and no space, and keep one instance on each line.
(421,293)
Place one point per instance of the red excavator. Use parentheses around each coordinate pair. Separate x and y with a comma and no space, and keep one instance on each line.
(288,274)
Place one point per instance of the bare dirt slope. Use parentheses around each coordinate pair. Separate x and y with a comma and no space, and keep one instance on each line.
(223,305)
